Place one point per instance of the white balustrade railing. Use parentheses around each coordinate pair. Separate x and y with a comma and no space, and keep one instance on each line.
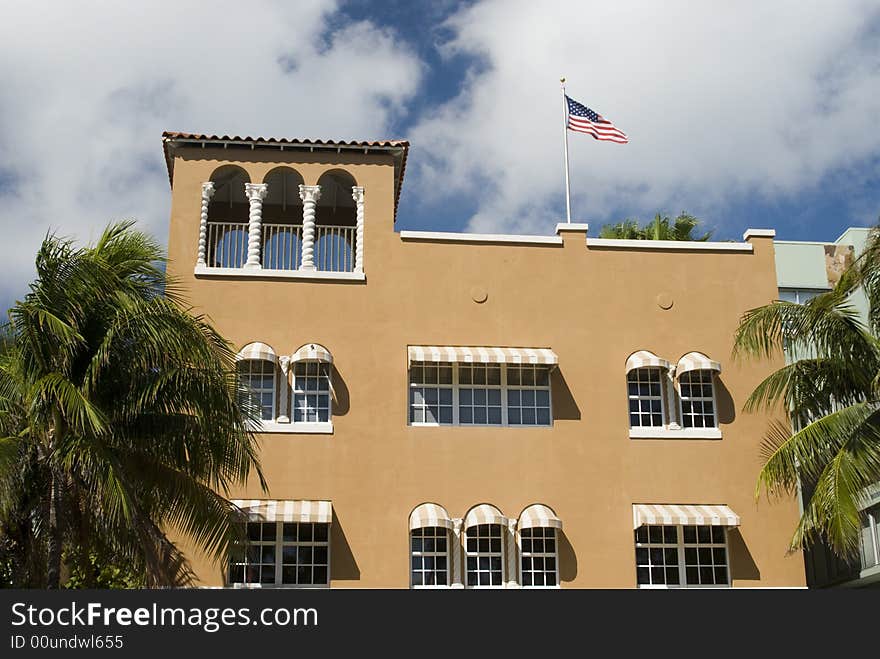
(334,248)
(227,244)
(282,246)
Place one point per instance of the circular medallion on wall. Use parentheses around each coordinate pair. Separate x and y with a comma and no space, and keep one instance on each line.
(664,301)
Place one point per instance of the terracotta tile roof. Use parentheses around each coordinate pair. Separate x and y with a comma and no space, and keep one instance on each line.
(399,149)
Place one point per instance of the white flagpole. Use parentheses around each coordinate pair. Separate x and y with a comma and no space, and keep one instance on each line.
(565,135)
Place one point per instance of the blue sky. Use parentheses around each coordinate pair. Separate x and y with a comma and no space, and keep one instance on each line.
(747,114)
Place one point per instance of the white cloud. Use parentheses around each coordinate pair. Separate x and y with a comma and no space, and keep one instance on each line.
(88,87)
(721,101)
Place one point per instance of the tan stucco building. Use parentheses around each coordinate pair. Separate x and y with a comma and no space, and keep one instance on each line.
(461,410)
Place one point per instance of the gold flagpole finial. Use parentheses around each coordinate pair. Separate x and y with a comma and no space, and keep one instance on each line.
(562,80)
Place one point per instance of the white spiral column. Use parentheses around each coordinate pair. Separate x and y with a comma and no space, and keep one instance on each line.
(512,555)
(455,556)
(255,192)
(357,193)
(284,363)
(309,195)
(207,193)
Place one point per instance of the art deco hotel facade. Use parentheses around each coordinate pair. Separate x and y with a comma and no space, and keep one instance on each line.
(474,411)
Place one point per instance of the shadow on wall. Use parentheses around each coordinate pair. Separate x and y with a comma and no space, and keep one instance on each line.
(343,566)
(564,405)
(341,401)
(568,562)
(742,565)
(726,407)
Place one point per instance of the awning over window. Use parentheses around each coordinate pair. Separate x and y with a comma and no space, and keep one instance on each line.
(645,359)
(429,514)
(262,510)
(482,355)
(483,514)
(257,350)
(539,516)
(312,352)
(665,513)
(696,361)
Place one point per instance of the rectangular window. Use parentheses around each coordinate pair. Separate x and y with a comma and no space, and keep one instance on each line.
(430,556)
(686,556)
(293,554)
(539,561)
(697,399)
(645,390)
(257,377)
(311,392)
(431,393)
(484,556)
(479,394)
(528,395)
(870,545)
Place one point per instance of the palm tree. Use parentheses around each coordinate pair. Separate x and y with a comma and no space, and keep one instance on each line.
(831,391)
(120,418)
(662,228)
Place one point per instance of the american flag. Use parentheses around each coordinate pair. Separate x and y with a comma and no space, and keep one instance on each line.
(582,119)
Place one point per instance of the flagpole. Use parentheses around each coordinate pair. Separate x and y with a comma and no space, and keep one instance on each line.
(565,136)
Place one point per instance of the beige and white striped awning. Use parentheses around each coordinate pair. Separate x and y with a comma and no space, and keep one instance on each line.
(538,516)
(684,514)
(482,355)
(312,352)
(257,350)
(429,514)
(645,359)
(262,510)
(485,513)
(696,361)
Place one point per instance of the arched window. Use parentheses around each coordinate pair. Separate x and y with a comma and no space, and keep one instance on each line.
(312,387)
(227,230)
(430,546)
(335,222)
(696,386)
(646,375)
(539,547)
(485,531)
(282,220)
(257,364)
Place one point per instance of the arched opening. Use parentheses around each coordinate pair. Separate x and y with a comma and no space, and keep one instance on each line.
(282,220)
(335,221)
(228,219)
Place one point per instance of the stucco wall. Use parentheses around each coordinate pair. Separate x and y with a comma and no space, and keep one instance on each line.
(593,307)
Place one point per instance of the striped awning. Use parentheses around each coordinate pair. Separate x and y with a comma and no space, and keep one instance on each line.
(482,355)
(538,516)
(429,514)
(262,510)
(645,359)
(483,514)
(696,361)
(257,350)
(686,514)
(312,352)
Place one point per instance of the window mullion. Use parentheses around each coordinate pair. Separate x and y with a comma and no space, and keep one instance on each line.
(682,573)
(503,394)
(279,535)
(455,420)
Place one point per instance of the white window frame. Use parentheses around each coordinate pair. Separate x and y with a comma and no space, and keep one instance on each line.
(450,537)
(523,554)
(502,555)
(297,425)
(279,561)
(456,387)
(681,545)
(872,513)
(662,372)
(712,375)
(258,391)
